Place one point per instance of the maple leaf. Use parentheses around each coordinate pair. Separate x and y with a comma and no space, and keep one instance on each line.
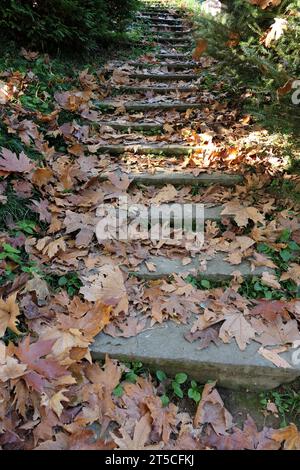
(42,176)
(40,287)
(41,208)
(31,355)
(163,418)
(108,379)
(249,438)
(275,31)
(120,77)
(107,287)
(242,214)
(140,436)
(211,410)
(270,280)
(9,311)
(167,194)
(279,333)
(270,309)
(9,162)
(292,273)
(54,402)
(10,368)
(289,435)
(51,247)
(81,440)
(236,326)
(206,337)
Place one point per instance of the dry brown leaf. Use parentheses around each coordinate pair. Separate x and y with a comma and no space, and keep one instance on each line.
(9,312)
(289,435)
(274,357)
(140,436)
(270,280)
(200,48)
(236,326)
(211,410)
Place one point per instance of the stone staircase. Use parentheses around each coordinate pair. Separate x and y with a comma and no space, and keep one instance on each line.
(164,346)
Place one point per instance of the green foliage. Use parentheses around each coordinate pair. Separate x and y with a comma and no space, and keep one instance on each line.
(69,282)
(262,68)
(52,24)
(286,400)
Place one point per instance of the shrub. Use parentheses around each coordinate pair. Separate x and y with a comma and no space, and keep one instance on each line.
(53,24)
(238,38)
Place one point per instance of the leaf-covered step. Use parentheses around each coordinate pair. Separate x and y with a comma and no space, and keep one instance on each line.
(169,65)
(136,106)
(161,178)
(217,268)
(165,77)
(164,347)
(157,89)
(143,149)
(135,126)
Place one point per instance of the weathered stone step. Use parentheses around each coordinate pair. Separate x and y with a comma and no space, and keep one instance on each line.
(168,27)
(217,268)
(170,66)
(161,12)
(136,106)
(136,126)
(161,19)
(174,149)
(161,178)
(162,33)
(177,56)
(164,347)
(180,42)
(165,77)
(157,89)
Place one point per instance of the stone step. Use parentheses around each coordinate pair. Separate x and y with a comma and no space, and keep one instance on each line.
(161,19)
(144,149)
(162,178)
(171,66)
(135,126)
(169,27)
(176,56)
(157,89)
(217,268)
(179,42)
(165,77)
(163,347)
(136,106)
(161,12)
(162,33)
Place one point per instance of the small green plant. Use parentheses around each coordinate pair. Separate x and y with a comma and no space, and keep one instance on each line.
(287,402)
(71,283)
(179,380)
(194,392)
(10,253)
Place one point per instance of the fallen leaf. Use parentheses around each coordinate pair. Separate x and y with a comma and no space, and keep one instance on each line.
(9,312)
(274,357)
